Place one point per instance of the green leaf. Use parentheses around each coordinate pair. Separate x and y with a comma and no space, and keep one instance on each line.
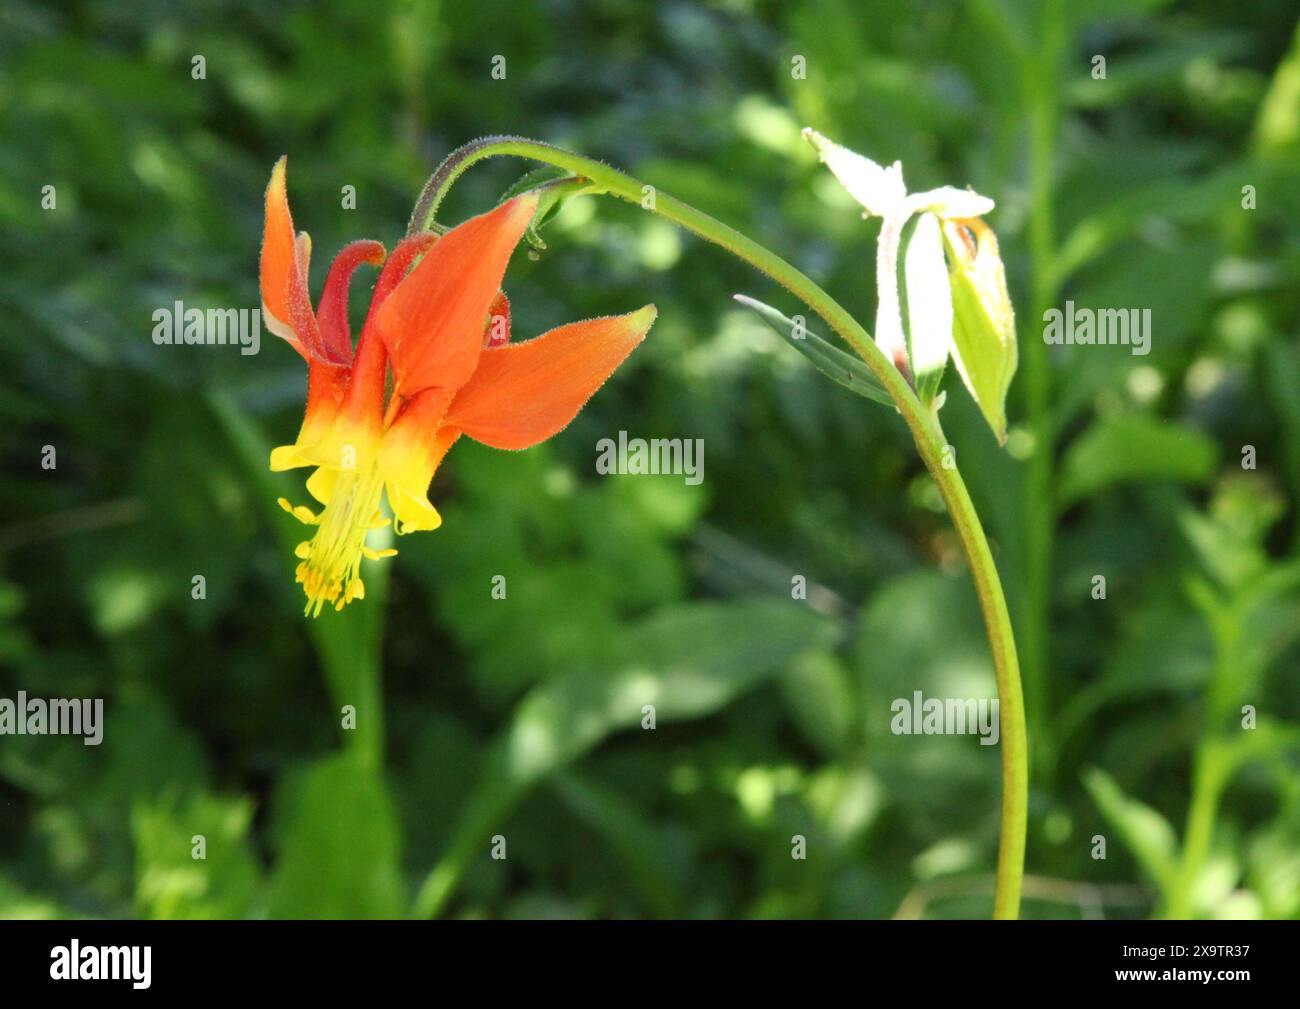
(1277,129)
(1145,832)
(1098,10)
(1231,537)
(822,702)
(1120,212)
(639,841)
(18,904)
(688,662)
(170,882)
(1131,449)
(1282,378)
(340,845)
(533,179)
(554,186)
(844,368)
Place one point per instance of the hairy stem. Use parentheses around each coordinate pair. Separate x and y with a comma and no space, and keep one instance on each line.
(924,427)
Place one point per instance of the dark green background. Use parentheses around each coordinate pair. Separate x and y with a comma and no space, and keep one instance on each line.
(520,717)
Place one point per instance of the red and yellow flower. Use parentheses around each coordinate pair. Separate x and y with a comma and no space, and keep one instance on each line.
(439,322)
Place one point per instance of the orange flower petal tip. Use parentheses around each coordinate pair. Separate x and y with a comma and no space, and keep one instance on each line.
(642,318)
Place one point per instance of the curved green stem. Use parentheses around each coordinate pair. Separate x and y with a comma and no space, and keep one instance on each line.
(924,426)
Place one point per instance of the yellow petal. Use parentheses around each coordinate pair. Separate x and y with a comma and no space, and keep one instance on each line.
(320,484)
(412,513)
(287,457)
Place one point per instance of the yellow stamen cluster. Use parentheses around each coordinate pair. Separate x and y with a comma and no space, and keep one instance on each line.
(331,559)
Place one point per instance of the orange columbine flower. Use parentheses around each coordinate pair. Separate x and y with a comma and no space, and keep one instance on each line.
(443,328)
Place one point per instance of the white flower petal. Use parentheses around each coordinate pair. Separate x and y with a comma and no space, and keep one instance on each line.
(879,190)
(951,202)
(929,305)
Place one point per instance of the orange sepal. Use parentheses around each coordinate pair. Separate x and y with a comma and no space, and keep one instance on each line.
(394,271)
(497,332)
(523,393)
(332,312)
(432,324)
(283,268)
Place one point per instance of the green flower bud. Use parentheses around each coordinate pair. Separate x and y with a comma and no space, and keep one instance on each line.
(984,324)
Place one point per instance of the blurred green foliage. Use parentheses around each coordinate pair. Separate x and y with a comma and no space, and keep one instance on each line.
(523,717)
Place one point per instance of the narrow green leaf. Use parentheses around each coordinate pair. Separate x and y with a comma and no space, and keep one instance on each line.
(1130,449)
(1147,834)
(844,368)
(641,843)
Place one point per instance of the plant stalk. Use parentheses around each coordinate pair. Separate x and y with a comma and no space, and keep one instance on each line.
(1040,87)
(923,425)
